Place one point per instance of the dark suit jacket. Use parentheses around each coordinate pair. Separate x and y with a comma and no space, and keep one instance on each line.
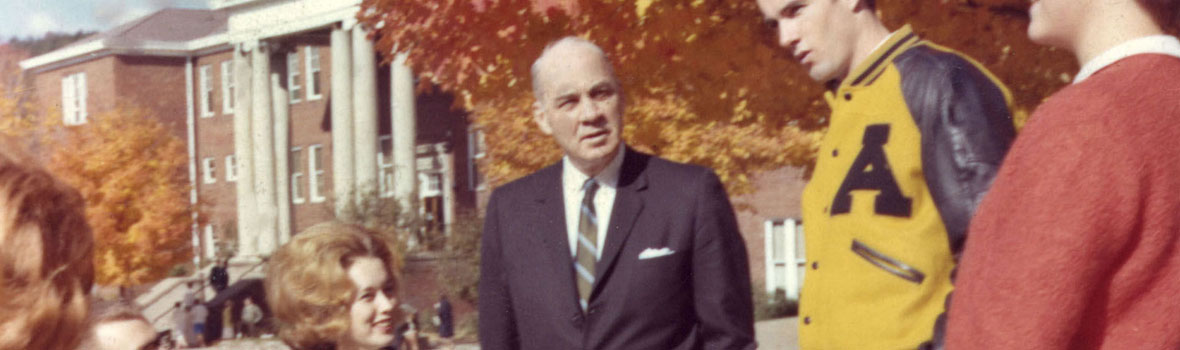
(696,298)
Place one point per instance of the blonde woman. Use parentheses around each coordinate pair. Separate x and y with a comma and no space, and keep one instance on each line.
(46,253)
(333,287)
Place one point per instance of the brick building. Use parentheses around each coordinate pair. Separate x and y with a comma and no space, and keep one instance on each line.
(251,86)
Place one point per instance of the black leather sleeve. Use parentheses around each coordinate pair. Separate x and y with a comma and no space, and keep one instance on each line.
(966,128)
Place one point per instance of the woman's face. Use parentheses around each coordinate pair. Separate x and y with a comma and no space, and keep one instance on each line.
(373,314)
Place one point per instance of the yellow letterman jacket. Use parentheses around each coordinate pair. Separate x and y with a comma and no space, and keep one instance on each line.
(916,135)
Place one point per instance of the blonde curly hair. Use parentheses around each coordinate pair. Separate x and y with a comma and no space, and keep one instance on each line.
(46,256)
(307,284)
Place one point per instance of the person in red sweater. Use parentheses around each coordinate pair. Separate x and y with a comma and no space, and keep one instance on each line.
(1077,246)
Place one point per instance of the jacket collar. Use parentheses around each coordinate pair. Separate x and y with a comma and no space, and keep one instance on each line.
(879,59)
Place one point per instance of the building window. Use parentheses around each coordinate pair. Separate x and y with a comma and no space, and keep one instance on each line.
(231,168)
(315,173)
(293,86)
(209,167)
(476,151)
(210,242)
(313,73)
(73,99)
(227,87)
(429,184)
(385,167)
(206,90)
(297,175)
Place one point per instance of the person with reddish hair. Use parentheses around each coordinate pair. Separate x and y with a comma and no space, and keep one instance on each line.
(46,253)
(334,287)
(1076,246)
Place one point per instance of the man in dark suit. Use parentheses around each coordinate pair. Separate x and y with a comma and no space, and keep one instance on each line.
(610,248)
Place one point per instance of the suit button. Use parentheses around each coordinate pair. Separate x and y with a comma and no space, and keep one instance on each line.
(807,320)
(835,152)
(848,96)
(815,265)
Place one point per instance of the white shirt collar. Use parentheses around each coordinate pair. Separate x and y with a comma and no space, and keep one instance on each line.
(1157,44)
(609,176)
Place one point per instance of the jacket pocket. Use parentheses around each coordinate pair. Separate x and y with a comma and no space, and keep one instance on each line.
(890,265)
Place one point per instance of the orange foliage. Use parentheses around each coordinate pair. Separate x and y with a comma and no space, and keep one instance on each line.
(704,79)
(132,173)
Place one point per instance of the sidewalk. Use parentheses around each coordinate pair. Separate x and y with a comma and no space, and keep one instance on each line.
(777,334)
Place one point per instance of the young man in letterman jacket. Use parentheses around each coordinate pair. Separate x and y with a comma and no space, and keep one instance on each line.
(917,133)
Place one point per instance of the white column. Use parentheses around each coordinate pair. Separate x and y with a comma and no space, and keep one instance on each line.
(405,129)
(448,186)
(364,79)
(264,153)
(343,180)
(282,151)
(244,155)
(191,124)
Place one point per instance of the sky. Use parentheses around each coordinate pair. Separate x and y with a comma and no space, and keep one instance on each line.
(34,18)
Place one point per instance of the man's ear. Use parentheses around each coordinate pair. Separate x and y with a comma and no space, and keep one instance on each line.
(539,118)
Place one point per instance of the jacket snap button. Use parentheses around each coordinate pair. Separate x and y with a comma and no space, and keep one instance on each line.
(835,152)
(848,96)
(807,320)
(815,265)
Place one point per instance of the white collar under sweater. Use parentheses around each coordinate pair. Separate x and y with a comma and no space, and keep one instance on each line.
(1157,44)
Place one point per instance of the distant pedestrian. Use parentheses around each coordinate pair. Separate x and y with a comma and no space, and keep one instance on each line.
(199,314)
(219,276)
(446,321)
(182,324)
(251,316)
(227,320)
(190,293)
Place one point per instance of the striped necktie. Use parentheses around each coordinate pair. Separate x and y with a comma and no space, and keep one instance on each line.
(587,252)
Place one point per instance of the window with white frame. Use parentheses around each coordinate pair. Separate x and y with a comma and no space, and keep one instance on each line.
(429,184)
(205,84)
(209,168)
(210,242)
(297,176)
(315,173)
(231,168)
(73,99)
(293,87)
(227,87)
(476,151)
(385,166)
(313,72)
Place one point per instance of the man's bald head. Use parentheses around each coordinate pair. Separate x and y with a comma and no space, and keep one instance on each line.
(544,63)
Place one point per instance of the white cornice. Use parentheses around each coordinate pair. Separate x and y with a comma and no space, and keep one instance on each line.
(101,48)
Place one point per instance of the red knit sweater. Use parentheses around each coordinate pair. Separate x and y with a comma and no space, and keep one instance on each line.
(1077,245)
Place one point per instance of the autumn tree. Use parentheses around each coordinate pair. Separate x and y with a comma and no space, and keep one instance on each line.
(132,174)
(705,80)
(696,91)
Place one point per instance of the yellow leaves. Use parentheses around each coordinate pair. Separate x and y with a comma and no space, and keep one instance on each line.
(132,173)
(641,7)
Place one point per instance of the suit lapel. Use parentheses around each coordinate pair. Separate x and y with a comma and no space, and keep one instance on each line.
(551,231)
(628,204)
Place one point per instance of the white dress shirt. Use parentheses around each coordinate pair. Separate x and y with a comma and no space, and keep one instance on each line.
(572,181)
(1158,44)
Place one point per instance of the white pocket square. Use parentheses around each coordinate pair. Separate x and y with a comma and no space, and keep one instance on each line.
(651,253)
